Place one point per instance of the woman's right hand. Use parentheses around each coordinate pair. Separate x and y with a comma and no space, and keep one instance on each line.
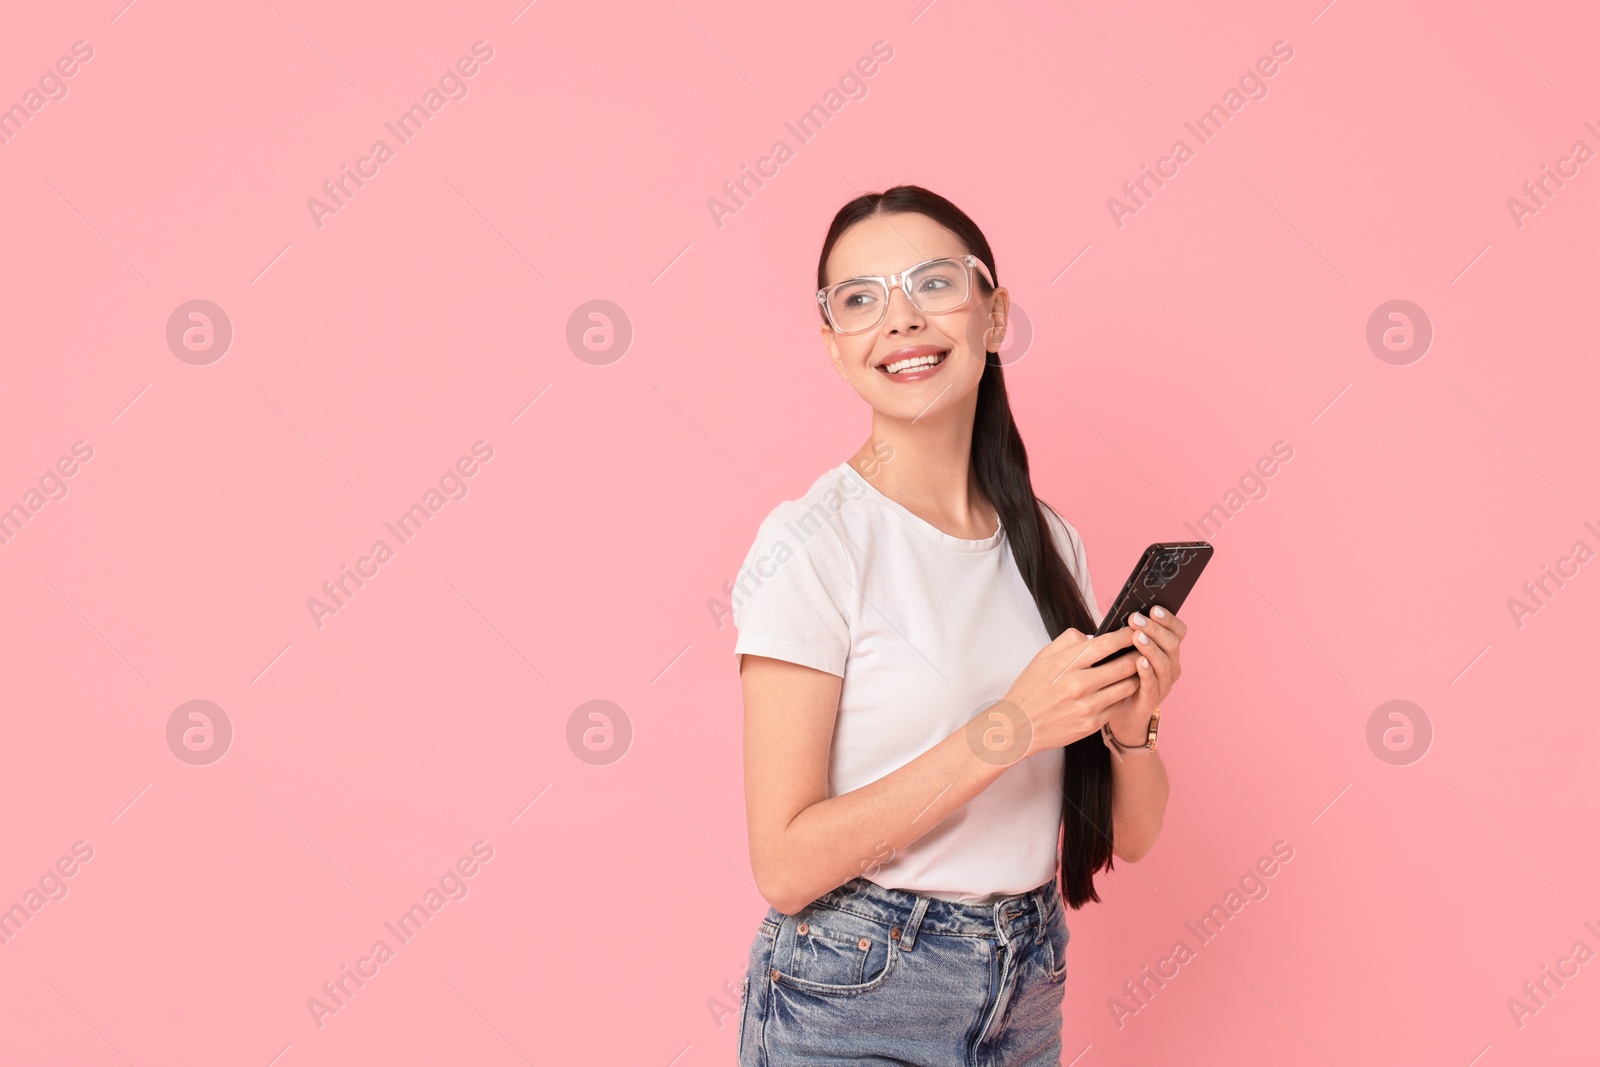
(1063,697)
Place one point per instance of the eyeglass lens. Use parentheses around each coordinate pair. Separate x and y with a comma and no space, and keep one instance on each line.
(935,287)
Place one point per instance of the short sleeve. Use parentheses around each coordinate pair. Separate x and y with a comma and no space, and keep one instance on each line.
(789,597)
(1070,544)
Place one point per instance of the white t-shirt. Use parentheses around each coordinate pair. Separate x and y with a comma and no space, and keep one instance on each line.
(925,629)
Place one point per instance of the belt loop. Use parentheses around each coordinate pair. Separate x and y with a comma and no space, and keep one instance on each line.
(1039,915)
(908,936)
(998,910)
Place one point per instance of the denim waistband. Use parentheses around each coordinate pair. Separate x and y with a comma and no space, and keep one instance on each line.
(1008,918)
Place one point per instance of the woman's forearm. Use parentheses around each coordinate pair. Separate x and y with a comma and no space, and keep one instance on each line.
(837,839)
(1138,802)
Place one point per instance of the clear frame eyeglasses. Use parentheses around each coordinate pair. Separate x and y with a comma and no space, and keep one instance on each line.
(935,287)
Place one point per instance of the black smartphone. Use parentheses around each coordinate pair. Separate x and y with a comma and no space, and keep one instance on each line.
(1164,575)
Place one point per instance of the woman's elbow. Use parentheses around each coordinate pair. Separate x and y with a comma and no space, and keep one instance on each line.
(773,883)
(1131,855)
(784,902)
(1134,851)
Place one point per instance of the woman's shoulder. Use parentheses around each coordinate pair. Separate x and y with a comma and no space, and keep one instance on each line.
(792,596)
(820,508)
(810,528)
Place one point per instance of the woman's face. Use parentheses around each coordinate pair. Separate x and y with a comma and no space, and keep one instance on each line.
(886,245)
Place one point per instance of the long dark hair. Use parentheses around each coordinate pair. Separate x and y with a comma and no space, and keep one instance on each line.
(1000,463)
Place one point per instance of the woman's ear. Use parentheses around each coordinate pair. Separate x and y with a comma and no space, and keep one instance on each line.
(999,310)
(831,342)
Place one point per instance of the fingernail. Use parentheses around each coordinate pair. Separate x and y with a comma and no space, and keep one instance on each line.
(1137,619)
(1143,639)
(1144,663)
(1159,613)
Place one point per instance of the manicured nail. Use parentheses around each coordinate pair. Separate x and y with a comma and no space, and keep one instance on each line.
(1144,663)
(1159,613)
(1137,619)
(1143,639)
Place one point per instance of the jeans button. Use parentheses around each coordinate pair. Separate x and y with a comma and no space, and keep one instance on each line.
(894,932)
(802,928)
(864,944)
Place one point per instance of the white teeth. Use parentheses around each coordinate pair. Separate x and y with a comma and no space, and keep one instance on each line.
(916,361)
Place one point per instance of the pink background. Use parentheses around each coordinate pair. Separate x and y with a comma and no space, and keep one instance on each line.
(427,313)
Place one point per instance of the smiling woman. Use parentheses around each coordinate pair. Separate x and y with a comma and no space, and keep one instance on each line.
(920,693)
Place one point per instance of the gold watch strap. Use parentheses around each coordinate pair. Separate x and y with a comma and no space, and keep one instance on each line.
(1118,748)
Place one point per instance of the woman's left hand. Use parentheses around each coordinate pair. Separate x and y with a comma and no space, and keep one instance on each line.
(1155,643)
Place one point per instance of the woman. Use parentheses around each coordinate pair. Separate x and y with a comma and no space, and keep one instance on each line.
(914,738)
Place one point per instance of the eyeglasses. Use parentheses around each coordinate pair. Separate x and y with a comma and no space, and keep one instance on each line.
(937,286)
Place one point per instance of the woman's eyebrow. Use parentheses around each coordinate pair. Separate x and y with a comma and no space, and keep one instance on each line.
(892,273)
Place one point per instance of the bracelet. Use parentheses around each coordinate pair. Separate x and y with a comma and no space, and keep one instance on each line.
(1118,748)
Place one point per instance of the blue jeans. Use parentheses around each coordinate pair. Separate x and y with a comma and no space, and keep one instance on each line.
(865,974)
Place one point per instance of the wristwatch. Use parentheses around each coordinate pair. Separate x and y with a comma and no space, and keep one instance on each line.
(1118,748)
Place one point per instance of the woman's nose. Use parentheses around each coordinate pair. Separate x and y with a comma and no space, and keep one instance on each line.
(902,311)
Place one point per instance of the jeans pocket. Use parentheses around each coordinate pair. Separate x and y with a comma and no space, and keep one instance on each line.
(834,953)
(753,999)
(744,1019)
(1056,935)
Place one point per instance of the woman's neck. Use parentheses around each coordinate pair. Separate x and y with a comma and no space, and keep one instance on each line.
(925,466)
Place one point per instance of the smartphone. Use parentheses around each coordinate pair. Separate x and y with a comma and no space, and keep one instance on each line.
(1164,575)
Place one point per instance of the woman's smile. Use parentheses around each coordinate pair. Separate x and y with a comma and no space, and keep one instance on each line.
(914,364)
